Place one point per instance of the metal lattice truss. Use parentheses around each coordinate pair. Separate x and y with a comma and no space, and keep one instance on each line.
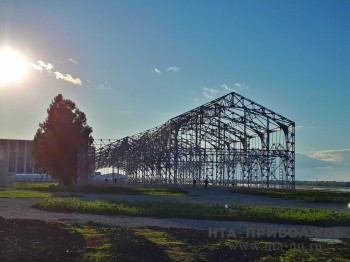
(230,140)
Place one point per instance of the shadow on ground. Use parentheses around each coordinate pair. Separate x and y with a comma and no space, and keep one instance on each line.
(35,240)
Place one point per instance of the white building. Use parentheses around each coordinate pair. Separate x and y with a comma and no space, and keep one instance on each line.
(15,158)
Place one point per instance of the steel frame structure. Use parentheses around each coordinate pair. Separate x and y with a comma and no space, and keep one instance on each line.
(230,140)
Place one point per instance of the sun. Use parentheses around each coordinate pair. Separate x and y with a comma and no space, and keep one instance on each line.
(13,66)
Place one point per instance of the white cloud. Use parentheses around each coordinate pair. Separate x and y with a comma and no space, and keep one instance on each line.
(36,67)
(222,90)
(47,66)
(99,86)
(304,127)
(42,65)
(68,78)
(306,161)
(173,69)
(104,86)
(241,86)
(72,61)
(340,156)
(327,165)
(227,89)
(209,92)
(157,70)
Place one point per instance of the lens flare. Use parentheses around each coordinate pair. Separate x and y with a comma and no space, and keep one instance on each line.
(13,66)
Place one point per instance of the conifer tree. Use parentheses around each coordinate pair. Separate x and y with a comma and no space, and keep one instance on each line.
(59,138)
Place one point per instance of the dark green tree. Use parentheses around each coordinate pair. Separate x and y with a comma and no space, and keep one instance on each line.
(59,138)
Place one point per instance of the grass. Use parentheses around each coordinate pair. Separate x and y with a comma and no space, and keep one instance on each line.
(96,189)
(174,249)
(23,194)
(199,211)
(97,245)
(34,240)
(305,195)
(41,186)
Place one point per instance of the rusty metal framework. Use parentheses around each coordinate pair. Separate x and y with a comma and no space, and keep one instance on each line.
(230,141)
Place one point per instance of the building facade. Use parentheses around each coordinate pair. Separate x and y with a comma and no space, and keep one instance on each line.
(15,157)
(16,163)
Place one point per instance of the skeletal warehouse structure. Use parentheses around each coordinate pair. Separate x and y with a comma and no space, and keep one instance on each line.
(229,141)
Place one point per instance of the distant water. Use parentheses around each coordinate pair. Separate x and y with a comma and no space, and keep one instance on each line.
(342,189)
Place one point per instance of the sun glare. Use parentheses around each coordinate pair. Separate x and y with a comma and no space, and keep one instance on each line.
(13,66)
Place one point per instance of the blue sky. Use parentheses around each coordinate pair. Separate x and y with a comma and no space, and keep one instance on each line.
(132,65)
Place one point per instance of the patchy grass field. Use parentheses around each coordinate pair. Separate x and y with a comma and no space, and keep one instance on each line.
(23,194)
(198,211)
(305,195)
(34,240)
(45,186)
(100,189)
